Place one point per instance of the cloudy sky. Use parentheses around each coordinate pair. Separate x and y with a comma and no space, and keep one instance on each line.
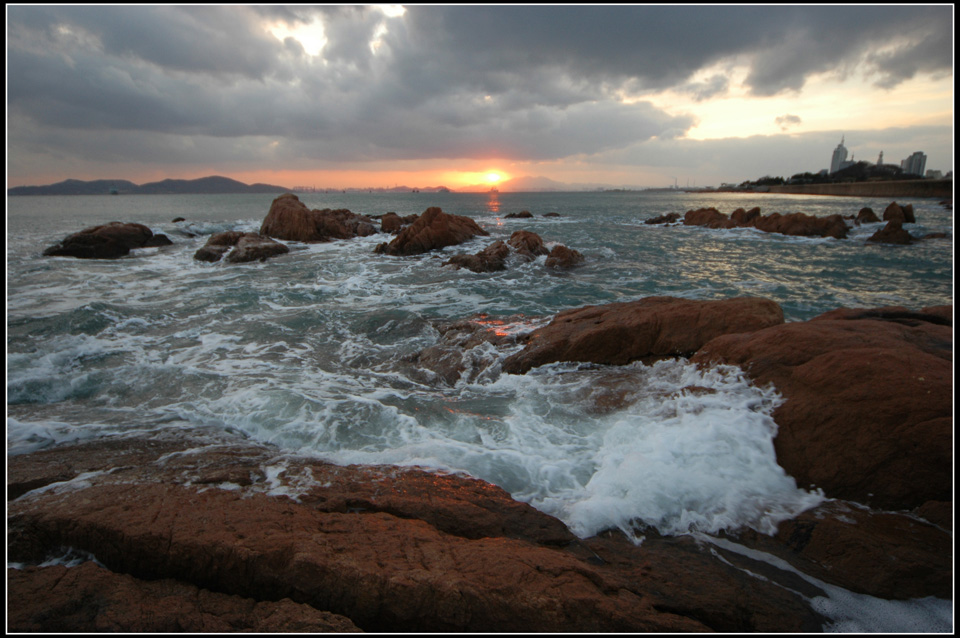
(380,95)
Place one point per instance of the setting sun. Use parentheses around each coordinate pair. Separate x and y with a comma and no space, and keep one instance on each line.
(493,178)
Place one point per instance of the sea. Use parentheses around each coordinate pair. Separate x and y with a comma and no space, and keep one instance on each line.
(315,351)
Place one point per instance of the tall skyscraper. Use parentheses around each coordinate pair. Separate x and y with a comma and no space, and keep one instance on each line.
(916,164)
(839,156)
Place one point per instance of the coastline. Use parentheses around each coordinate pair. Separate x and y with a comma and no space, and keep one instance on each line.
(941,188)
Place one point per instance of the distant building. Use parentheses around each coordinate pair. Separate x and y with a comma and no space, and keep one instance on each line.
(916,164)
(932,174)
(880,159)
(839,156)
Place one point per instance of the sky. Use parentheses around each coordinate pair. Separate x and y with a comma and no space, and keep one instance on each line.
(337,96)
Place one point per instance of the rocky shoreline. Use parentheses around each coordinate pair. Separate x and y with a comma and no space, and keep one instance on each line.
(203,531)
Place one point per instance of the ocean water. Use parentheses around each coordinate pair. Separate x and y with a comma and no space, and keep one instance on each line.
(310,351)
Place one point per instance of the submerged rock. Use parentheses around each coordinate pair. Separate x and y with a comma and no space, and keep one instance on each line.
(646,330)
(290,219)
(434,229)
(868,395)
(667,218)
(108,241)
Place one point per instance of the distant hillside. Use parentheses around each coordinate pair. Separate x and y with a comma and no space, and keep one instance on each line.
(204,185)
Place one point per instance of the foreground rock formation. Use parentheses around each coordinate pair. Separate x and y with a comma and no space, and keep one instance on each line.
(290,219)
(432,230)
(644,330)
(869,394)
(207,532)
(108,241)
(390,549)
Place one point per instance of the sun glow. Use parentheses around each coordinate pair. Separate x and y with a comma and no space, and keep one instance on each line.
(493,178)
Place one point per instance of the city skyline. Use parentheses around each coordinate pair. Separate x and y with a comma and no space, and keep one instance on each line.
(374,96)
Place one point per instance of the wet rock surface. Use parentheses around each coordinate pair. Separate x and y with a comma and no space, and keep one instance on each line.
(91,599)
(646,330)
(262,534)
(432,230)
(290,219)
(107,241)
(868,395)
(239,248)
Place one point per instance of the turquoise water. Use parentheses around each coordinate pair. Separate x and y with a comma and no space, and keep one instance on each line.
(311,350)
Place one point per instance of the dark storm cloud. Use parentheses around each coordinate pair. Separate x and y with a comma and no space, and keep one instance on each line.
(528,82)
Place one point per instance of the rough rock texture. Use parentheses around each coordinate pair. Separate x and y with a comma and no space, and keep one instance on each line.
(743,217)
(892,233)
(709,217)
(467,347)
(391,549)
(290,219)
(242,247)
(884,554)
(867,216)
(527,244)
(647,329)
(433,229)
(91,599)
(108,241)
(523,243)
(799,224)
(667,218)
(490,259)
(561,257)
(868,395)
(902,214)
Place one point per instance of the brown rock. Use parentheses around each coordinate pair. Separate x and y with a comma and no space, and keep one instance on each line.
(527,244)
(647,329)
(888,555)
(242,247)
(892,233)
(745,217)
(490,259)
(562,257)
(434,229)
(668,218)
(902,214)
(867,216)
(108,241)
(524,214)
(91,599)
(868,401)
(803,225)
(390,223)
(290,219)
(709,217)
(391,549)
(453,357)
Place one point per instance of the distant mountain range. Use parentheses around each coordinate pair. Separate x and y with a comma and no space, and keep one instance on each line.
(204,186)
